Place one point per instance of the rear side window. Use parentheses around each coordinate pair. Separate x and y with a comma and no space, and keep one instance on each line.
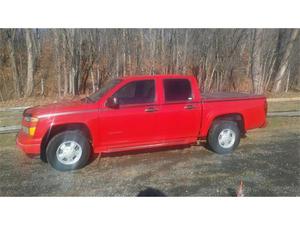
(177,90)
(136,92)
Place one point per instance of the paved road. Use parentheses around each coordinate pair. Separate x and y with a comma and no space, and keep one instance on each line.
(267,161)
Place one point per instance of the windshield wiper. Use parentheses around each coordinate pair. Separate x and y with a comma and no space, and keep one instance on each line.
(89,99)
(86,99)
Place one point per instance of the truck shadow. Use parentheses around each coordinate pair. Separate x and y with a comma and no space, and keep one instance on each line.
(143,151)
(151,192)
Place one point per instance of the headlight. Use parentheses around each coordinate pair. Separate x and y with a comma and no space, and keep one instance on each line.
(25,129)
(31,127)
(29,130)
(31,119)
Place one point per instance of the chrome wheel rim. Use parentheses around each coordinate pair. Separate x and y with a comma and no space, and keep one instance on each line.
(69,152)
(226,138)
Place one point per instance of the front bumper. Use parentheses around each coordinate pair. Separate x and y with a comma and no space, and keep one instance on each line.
(28,144)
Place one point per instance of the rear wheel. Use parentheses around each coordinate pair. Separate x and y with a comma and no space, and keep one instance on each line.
(224,136)
(68,150)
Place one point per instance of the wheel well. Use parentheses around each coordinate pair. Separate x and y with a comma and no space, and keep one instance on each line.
(233,117)
(52,131)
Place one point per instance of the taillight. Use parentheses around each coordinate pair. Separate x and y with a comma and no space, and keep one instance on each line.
(266,107)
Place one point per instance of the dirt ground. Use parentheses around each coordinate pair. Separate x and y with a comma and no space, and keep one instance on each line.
(267,161)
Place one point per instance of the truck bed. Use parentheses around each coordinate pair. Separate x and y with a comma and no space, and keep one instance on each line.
(228,96)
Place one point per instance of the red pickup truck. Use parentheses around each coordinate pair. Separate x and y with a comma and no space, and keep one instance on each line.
(137,112)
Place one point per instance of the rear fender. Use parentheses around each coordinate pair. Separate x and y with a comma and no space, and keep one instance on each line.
(236,117)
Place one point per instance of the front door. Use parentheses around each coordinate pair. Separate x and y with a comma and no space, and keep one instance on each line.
(134,123)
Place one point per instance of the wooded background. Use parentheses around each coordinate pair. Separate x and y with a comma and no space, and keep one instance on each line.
(60,62)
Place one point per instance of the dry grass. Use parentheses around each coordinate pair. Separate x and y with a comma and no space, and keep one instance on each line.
(283,106)
(290,94)
(35,101)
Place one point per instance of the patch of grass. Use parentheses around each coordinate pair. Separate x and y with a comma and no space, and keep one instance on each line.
(38,100)
(9,121)
(283,122)
(10,113)
(7,140)
(283,106)
(10,118)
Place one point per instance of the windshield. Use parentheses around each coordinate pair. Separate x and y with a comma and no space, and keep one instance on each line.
(105,88)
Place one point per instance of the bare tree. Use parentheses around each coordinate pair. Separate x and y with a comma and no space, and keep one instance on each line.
(284,62)
(82,60)
(12,57)
(57,59)
(185,51)
(256,61)
(30,63)
(64,63)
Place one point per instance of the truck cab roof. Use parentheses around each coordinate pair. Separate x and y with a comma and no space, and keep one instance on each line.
(140,77)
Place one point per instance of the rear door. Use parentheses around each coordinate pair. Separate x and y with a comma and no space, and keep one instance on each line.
(180,111)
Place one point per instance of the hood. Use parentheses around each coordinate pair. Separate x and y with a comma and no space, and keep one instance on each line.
(60,107)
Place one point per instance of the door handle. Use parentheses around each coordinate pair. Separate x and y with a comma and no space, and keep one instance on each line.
(189,107)
(151,109)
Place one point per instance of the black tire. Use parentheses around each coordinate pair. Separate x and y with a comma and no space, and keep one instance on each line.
(215,131)
(57,140)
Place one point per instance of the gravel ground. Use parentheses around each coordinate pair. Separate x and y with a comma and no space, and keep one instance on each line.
(267,161)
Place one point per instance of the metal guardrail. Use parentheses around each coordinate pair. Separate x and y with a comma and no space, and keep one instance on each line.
(9,129)
(284,114)
(283,99)
(14,109)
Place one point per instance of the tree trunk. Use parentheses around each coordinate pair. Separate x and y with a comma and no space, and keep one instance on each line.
(140,56)
(124,52)
(284,62)
(256,69)
(185,51)
(42,87)
(4,84)
(30,63)
(297,80)
(129,60)
(64,50)
(15,72)
(177,55)
(77,65)
(117,66)
(1,96)
(162,58)
(152,50)
(93,81)
(57,61)
(288,80)
(97,79)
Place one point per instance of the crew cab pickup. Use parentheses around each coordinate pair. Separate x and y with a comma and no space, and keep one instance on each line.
(137,112)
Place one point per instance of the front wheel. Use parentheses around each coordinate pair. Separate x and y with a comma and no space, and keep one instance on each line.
(68,150)
(224,136)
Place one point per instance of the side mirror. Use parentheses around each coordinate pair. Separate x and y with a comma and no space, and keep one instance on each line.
(112,102)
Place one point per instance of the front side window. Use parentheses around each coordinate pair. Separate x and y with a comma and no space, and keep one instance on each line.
(136,92)
(104,89)
(177,90)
